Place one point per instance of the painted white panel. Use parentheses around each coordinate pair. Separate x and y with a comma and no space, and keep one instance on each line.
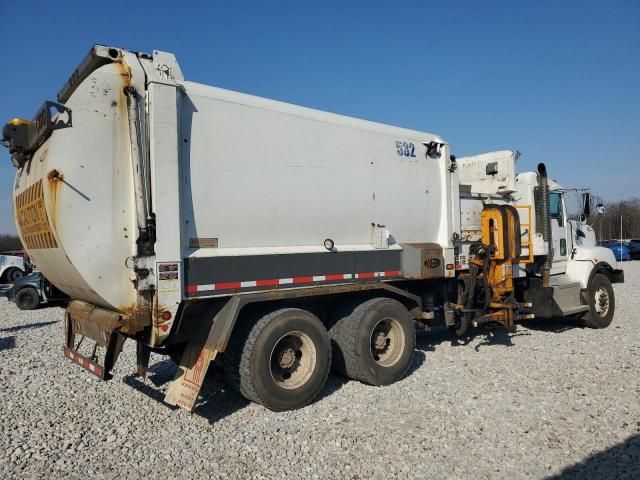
(260,173)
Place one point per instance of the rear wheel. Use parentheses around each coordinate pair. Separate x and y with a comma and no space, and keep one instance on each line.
(601,302)
(281,361)
(27,299)
(373,341)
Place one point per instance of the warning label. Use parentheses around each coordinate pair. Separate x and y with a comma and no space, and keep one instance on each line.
(32,218)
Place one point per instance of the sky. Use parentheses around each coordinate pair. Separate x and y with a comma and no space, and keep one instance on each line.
(558,81)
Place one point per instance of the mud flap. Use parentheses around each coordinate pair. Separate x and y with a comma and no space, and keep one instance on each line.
(107,338)
(183,391)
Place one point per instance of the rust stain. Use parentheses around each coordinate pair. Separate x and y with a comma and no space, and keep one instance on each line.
(159,310)
(126,78)
(55,180)
(125,72)
(135,318)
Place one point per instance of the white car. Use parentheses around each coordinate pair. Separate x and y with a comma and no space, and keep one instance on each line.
(11,268)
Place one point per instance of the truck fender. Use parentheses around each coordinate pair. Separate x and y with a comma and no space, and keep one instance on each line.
(585,262)
(615,275)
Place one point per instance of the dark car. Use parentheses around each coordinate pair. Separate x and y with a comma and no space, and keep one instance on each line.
(34,290)
(634,249)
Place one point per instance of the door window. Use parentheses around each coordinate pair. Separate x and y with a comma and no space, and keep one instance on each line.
(555,208)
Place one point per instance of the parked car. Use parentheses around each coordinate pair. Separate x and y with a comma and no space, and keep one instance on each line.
(34,290)
(11,268)
(620,250)
(634,249)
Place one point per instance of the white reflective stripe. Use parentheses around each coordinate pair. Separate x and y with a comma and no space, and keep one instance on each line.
(287,281)
(92,367)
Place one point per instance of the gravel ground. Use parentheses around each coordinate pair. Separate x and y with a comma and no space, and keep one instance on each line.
(550,400)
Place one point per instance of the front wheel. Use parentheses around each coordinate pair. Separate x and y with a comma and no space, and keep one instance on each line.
(27,299)
(601,302)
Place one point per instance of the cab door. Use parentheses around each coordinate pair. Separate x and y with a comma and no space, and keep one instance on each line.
(559,229)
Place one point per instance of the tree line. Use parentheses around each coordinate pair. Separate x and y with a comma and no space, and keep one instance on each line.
(10,242)
(607,225)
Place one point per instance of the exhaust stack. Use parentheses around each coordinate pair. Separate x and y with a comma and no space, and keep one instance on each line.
(545,216)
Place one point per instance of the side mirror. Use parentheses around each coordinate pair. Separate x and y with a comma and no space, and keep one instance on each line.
(586,204)
(600,208)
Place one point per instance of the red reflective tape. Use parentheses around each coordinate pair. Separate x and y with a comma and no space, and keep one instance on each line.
(366,275)
(338,276)
(302,279)
(83,362)
(272,282)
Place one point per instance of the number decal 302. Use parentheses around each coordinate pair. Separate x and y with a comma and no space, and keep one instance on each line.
(405,149)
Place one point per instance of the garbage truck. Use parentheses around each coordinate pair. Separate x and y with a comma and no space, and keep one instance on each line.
(277,240)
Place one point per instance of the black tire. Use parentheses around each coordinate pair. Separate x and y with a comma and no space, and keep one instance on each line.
(13,274)
(27,299)
(602,303)
(361,348)
(280,361)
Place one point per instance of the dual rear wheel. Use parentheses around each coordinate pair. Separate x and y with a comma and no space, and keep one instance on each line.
(282,359)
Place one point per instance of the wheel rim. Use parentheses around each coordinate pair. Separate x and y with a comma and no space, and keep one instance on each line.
(293,360)
(24,300)
(601,302)
(387,342)
(16,275)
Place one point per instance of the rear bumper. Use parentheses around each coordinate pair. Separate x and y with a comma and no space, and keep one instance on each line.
(99,325)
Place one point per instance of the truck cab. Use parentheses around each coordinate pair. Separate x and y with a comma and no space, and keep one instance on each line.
(579,272)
